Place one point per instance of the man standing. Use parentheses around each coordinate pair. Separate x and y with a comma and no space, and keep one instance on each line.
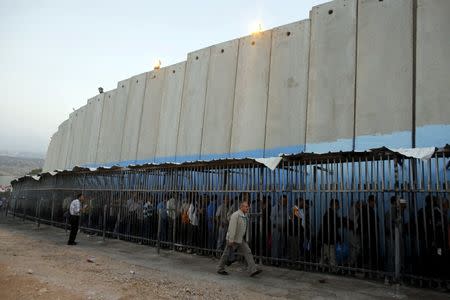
(236,240)
(74,211)
(330,234)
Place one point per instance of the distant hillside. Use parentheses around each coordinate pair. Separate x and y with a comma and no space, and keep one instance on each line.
(22,154)
(18,166)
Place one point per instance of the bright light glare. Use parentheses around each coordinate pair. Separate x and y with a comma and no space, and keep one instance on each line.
(157,64)
(256,27)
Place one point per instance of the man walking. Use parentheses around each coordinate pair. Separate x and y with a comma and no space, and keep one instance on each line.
(236,240)
(74,218)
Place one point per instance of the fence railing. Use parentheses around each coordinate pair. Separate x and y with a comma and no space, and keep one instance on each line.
(377,213)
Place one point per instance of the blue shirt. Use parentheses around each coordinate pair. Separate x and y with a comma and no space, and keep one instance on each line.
(210,212)
(162,209)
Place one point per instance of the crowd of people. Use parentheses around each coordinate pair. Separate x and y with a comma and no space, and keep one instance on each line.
(285,229)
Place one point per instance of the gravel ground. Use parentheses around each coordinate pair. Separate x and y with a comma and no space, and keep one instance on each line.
(37,264)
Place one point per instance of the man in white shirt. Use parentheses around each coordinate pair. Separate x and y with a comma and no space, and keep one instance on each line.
(74,218)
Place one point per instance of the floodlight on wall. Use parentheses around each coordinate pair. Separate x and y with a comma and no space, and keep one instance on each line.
(157,65)
(100,90)
(256,27)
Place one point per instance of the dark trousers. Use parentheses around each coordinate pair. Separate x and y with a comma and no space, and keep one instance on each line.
(74,221)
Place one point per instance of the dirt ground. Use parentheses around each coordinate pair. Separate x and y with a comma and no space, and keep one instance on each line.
(37,264)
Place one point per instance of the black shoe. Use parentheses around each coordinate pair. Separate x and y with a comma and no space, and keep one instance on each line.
(71,243)
(222,272)
(255,273)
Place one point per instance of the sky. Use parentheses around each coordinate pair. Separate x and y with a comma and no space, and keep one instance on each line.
(55,54)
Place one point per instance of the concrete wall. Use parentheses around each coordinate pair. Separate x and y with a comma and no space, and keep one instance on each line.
(250,98)
(106,136)
(218,117)
(331,89)
(288,89)
(87,128)
(133,118)
(56,145)
(193,105)
(70,139)
(433,73)
(148,134)
(119,110)
(78,131)
(64,137)
(358,74)
(95,105)
(384,74)
(170,113)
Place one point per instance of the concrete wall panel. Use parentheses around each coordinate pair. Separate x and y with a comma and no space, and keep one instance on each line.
(288,89)
(148,135)
(70,140)
(73,132)
(170,113)
(119,104)
(95,106)
(433,73)
(78,127)
(64,128)
(86,132)
(53,151)
(384,74)
(331,77)
(216,137)
(80,144)
(68,143)
(193,105)
(57,150)
(250,104)
(104,151)
(133,118)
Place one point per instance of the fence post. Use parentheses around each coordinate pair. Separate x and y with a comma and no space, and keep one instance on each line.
(397,216)
(158,245)
(24,214)
(105,207)
(38,213)
(15,206)
(174,224)
(53,207)
(7,207)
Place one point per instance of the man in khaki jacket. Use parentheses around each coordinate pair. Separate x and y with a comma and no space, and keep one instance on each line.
(237,230)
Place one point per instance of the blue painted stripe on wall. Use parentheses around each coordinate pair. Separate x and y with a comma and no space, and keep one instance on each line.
(339,145)
(427,136)
(401,139)
(433,135)
(214,156)
(284,150)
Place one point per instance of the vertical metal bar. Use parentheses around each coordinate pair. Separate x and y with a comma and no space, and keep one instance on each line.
(53,208)
(38,213)
(158,242)
(397,237)
(261,225)
(105,207)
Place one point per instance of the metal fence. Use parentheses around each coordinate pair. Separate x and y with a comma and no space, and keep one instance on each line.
(375,213)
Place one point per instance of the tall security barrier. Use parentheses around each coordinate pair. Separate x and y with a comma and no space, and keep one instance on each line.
(379,214)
